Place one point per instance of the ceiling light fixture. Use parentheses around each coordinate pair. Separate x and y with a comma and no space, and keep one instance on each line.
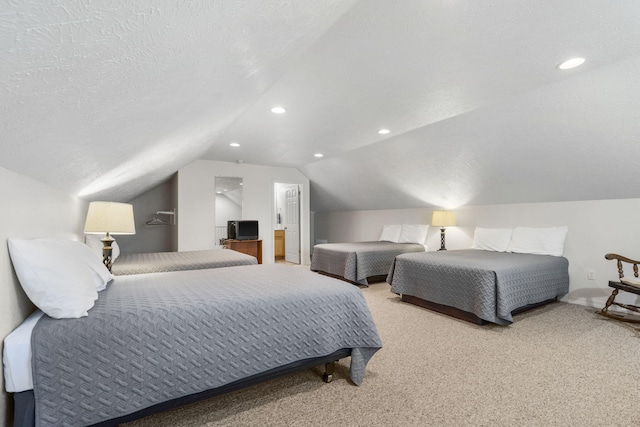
(318,155)
(570,63)
(278,110)
(234,144)
(384,131)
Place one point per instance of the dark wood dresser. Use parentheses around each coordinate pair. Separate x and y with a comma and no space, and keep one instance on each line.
(249,247)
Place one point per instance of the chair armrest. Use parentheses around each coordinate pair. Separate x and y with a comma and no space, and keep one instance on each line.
(620,259)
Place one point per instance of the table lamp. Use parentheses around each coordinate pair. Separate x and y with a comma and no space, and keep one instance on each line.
(443,219)
(110,218)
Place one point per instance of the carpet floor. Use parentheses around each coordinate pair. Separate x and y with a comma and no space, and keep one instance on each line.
(559,365)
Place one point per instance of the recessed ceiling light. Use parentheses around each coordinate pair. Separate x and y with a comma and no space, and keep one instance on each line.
(234,144)
(384,131)
(278,110)
(318,155)
(571,63)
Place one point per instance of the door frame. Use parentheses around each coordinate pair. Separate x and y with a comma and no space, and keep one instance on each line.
(274,213)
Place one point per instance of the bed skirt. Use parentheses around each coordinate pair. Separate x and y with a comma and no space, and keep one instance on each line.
(465,315)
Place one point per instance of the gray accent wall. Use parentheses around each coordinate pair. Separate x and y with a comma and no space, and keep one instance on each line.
(154,238)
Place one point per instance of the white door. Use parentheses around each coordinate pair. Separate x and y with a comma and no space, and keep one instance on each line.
(292,224)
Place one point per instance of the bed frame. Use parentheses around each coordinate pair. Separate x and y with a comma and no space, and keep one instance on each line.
(370,279)
(465,315)
(24,402)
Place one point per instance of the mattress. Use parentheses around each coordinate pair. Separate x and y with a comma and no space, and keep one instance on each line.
(16,356)
(156,262)
(155,337)
(488,284)
(357,261)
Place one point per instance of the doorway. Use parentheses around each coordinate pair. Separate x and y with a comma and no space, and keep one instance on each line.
(287,222)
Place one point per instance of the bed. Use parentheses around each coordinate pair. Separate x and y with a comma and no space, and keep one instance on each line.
(358,262)
(155,341)
(479,285)
(362,261)
(156,262)
(140,263)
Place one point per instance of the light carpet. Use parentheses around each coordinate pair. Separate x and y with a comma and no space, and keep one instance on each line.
(559,365)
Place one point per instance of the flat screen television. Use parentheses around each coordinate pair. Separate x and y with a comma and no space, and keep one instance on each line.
(242,229)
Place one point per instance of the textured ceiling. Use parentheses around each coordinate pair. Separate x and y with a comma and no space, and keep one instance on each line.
(107,100)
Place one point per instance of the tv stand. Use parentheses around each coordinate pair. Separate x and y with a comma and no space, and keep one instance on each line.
(249,247)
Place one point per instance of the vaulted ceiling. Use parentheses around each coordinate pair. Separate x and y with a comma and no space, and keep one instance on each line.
(108,99)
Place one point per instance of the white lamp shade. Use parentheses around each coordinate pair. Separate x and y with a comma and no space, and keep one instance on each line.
(110,217)
(443,219)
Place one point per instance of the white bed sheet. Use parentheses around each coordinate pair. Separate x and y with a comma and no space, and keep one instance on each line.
(16,356)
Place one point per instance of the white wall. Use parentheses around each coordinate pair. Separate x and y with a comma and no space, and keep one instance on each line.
(28,209)
(595,228)
(196,221)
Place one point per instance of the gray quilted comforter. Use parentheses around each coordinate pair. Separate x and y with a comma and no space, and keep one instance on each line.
(357,261)
(488,284)
(155,337)
(157,262)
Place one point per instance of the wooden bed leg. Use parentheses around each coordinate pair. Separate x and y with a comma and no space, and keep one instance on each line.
(329,368)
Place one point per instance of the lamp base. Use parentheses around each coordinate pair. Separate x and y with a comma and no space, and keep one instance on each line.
(442,248)
(107,251)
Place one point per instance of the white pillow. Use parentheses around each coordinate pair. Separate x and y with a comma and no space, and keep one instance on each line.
(83,253)
(54,280)
(93,242)
(492,239)
(413,233)
(391,233)
(541,241)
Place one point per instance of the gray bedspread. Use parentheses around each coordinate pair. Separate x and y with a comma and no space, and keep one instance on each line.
(357,261)
(488,284)
(155,337)
(157,262)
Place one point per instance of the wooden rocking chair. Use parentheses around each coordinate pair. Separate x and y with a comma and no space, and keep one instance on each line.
(627,285)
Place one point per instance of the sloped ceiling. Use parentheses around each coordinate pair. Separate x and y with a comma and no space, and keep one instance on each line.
(108,100)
